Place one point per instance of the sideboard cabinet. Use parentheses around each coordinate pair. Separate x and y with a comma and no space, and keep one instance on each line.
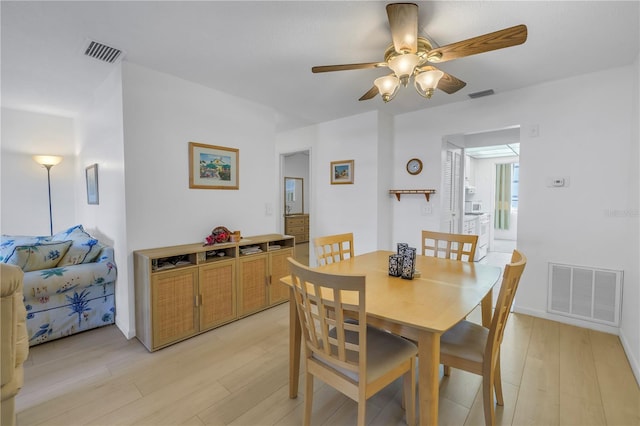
(185,290)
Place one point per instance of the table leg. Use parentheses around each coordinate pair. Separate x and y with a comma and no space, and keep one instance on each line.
(428,376)
(295,337)
(487,307)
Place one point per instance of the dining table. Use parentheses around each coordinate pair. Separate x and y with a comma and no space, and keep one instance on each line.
(441,293)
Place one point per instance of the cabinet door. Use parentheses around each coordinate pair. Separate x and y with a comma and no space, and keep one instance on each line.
(252,283)
(173,305)
(279,292)
(217,292)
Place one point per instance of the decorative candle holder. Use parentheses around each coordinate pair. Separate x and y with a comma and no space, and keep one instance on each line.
(395,265)
(408,263)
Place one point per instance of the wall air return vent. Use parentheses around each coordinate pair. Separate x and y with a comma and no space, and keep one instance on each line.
(481,94)
(586,293)
(102,52)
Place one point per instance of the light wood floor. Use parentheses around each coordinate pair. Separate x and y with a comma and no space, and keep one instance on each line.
(553,374)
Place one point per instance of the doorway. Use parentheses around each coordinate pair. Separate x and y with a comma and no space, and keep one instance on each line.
(492,183)
(295,207)
(471,182)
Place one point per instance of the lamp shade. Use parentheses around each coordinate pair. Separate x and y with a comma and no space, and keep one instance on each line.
(403,66)
(387,86)
(47,160)
(426,81)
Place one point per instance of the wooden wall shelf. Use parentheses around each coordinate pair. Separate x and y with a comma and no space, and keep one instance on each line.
(426,192)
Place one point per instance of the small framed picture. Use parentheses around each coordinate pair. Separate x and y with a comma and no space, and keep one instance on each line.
(91,174)
(341,172)
(213,167)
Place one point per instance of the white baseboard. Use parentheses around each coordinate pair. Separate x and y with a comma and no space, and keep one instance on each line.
(633,362)
(635,367)
(124,329)
(568,320)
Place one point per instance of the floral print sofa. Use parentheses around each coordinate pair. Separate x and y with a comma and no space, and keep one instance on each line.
(69,282)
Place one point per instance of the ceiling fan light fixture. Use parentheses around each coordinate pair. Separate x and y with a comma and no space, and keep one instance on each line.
(434,57)
(403,66)
(387,86)
(426,82)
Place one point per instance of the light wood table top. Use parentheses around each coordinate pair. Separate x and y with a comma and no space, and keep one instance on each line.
(421,309)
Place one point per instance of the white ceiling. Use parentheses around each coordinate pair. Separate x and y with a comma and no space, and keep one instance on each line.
(264,50)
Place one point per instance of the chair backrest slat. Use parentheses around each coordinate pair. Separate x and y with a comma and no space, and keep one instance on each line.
(333,316)
(333,248)
(449,246)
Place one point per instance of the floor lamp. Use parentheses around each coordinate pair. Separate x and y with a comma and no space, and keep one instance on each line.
(48,161)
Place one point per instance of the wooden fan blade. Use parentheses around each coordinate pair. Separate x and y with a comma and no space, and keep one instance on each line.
(403,20)
(370,94)
(448,83)
(485,43)
(328,68)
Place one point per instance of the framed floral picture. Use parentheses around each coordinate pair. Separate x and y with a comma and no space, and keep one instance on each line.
(213,167)
(91,175)
(341,172)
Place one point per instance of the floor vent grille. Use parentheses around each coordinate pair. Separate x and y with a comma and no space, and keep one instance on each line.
(586,293)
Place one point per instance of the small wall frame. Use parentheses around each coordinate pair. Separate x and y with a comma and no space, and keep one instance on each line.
(342,172)
(213,167)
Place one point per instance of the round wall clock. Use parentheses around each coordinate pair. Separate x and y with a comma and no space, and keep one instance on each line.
(414,166)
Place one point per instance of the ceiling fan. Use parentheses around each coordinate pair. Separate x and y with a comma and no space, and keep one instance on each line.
(410,56)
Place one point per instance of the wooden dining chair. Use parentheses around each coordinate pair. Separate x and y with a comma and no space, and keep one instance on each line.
(449,246)
(340,349)
(476,349)
(333,248)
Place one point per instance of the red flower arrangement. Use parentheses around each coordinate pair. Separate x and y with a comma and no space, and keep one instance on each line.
(219,235)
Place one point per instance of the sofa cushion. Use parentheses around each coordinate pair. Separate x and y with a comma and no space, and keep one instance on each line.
(34,257)
(8,244)
(84,249)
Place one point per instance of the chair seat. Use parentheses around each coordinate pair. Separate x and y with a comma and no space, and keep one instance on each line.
(465,340)
(384,351)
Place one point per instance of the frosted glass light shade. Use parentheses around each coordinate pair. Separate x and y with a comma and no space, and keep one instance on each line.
(387,86)
(426,81)
(403,66)
(47,160)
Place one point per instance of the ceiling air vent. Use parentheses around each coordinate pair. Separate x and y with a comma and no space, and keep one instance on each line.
(481,94)
(101,52)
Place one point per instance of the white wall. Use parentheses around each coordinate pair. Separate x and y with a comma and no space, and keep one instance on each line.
(384,173)
(24,194)
(162,114)
(364,207)
(585,135)
(100,140)
(630,324)
(348,208)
